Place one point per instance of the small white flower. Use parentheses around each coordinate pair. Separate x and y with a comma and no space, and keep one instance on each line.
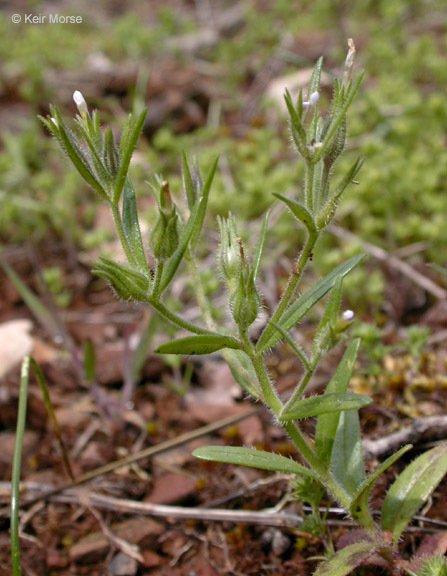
(80,102)
(314,97)
(348,315)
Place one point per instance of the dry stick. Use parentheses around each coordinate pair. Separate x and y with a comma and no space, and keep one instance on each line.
(436,425)
(383,256)
(147,452)
(180,513)
(266,517)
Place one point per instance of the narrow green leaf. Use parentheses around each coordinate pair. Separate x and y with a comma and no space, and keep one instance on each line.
(252,458)
(328,320)
(242,371)
(346,464)
(304,303)
(125,134)
(131,226)
(51,415)
(412,488)
(203,204)
(32,301)
(127,156)
(338,117)
(188,183)
(360,499)
(299,211)
(70,146)
(314,84)
(328,210)
(295,347)
(201,344)
(325,404)
(260,246)
(173,262)
(102,174)
(348,559)
(326,426)
(297,129)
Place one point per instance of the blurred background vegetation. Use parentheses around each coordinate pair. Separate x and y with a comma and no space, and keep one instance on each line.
(206,69)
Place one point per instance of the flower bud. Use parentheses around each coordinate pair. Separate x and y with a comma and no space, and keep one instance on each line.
(336,144)
(229,257)
(127,283)
(245,300)
(164,237)
(347,315)
(80,102)
(313,99)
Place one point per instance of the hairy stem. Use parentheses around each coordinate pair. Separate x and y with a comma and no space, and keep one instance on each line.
(198,290)
(175,319)
(298,392)
(157,278)
(272,400)
(292,284)
(119,229)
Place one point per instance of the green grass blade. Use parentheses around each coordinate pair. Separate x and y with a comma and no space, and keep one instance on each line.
(34,304)
(49,407)
(16,466)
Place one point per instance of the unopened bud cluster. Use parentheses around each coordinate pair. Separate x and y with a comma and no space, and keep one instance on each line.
(239,276)
(164,236)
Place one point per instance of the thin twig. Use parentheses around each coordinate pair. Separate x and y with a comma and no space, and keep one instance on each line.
(264,517)
(436,426)
(382,255)
(146,453)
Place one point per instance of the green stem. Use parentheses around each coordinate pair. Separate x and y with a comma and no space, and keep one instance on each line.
(272,400)
(289,291)
(157,278)
(16,465)
(198,290)
(175,319)
(308,195)
(119,229)
(298,392)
